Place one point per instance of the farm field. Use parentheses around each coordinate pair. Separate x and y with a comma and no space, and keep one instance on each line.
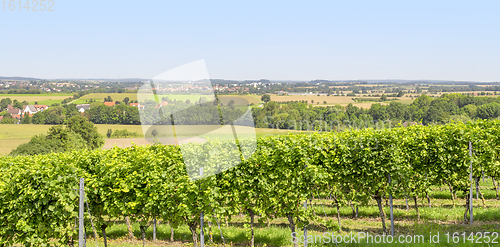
(13,135)
(239,99)
(42,99)
(100,97)
(333,100)
(6,146)
(320,99)
(191,133)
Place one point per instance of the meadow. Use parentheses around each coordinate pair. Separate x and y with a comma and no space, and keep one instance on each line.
(13,135)
(334,100)
(239,99)
(41,99)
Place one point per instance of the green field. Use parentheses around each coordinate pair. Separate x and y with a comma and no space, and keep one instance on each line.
(13,135)
(239,99)
(100,97)
(41,99)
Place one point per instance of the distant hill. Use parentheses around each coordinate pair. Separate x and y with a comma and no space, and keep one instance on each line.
(18,78)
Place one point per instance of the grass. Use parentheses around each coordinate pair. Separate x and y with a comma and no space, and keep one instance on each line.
(239,99)
(6,146)
(100,97)
(13,135)
(309,98)
(23,131)
(35,97)
(442,218)
(45,102)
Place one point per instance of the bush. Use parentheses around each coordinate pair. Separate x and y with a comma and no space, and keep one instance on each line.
(125,134)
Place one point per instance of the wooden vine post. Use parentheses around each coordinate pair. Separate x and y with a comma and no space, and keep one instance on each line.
(471,185)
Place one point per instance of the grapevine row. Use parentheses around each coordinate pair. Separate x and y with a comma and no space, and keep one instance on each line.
(38,195)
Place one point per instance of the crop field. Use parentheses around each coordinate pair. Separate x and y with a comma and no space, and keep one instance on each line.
(330,100)
(100,97)
(13,135)
(239,99)
(42,99)
(315,98)
(195,133)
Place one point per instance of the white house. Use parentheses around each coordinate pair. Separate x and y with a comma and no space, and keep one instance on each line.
(83,107)
(32,109)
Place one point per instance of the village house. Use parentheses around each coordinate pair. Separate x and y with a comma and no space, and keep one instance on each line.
(14,111)
(110,104)
(164,103)
(32,109)
(137,105)
(83,107)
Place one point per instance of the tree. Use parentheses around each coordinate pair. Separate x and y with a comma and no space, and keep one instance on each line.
(488,111)
(26,119)
(108,99)
(126,100)
(470,110)
(109,133)
(17,104)
(154,133)
(231,104)
(400,93)
(383,98)
(39,118)
(4,103)
(57,139)
(8,119)
(87,131)
(265,98)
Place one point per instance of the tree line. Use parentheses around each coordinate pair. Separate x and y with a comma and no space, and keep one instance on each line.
(298,115)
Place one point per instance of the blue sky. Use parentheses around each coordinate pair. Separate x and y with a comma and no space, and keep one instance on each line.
(280,40)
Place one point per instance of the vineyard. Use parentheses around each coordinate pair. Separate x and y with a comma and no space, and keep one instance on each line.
(39,198)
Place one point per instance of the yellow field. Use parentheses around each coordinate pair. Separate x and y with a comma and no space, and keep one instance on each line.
(34,97)
(6,146)
(13,135)
(320,99)
(114,96)
(240,99)
(26,131)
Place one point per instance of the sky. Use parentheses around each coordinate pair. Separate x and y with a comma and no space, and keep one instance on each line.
(249,40)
